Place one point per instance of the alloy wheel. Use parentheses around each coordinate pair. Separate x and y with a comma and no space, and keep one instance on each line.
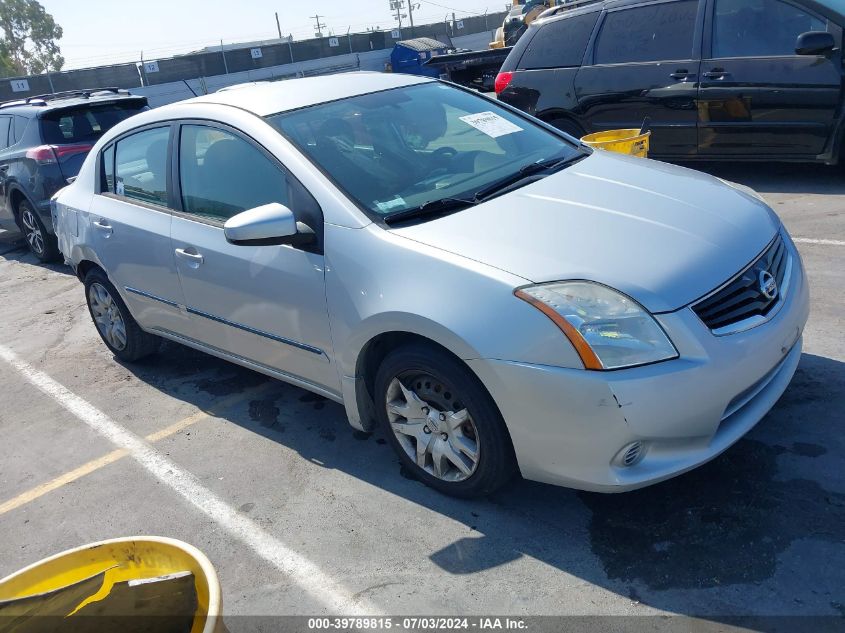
(107,316)
(32,232)
(432,426)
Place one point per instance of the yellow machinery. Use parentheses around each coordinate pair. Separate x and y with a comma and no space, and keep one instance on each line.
(523,13)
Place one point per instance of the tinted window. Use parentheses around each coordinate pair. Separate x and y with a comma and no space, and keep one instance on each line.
(141,166)
(108,168)
(749,28)
(20,126)
(222,174)
(645,34)
(5,122)
(559,43)
(87,123)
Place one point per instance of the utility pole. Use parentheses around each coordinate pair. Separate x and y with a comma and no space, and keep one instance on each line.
(278,26)
(398,5)
(411,15)
(319,32)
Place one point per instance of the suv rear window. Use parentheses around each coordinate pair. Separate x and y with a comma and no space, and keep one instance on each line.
(85,124)
(559,43)
(656,32)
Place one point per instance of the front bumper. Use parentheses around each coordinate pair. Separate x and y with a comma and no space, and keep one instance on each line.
(568,425)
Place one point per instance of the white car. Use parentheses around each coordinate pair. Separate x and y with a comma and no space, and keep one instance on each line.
(491,293)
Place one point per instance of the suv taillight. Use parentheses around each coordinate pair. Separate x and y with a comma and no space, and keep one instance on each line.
(502,81)
(43,155)
(51,154)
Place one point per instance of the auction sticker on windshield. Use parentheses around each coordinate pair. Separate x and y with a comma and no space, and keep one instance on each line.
(490,124)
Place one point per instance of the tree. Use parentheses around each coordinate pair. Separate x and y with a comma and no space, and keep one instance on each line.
(29,45)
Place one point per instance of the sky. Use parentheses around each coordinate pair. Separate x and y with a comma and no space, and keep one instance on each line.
(98,32)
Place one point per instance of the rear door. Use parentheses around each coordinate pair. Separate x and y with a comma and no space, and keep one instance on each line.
(757,96)
(644,63)
(6,134)
(129,225)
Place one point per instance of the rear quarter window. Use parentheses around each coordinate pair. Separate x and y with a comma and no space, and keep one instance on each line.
(560,43)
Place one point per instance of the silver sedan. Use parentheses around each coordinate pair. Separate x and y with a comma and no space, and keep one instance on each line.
(491,294)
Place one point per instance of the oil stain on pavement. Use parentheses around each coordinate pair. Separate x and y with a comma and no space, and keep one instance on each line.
(723,523)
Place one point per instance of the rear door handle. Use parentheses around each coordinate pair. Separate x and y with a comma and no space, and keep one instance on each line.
(103,226)
(190,255)
(717,73)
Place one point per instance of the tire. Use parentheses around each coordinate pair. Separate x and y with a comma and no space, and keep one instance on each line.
(129,342)
(41,243)
(568,126)
(429,384)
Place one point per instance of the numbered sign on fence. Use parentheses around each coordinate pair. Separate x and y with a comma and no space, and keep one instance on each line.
(460,24)
(395,34)
(333,42)
(256,53)
(150,67)
(19,85)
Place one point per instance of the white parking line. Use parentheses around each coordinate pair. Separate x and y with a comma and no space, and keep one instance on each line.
(306,574)
(810,240)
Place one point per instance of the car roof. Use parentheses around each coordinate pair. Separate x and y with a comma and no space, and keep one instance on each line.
(292,94)
(41,104)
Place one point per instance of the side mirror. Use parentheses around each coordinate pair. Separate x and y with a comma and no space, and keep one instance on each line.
(267,225)
(814,43)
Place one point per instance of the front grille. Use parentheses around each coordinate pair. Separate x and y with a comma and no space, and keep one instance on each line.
(742,297)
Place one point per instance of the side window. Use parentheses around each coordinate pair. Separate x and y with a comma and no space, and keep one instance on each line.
(108,169)
(560,43)
(4,131)
(20,126)
(657,32)
(222,174)
(141,166)
(759,28)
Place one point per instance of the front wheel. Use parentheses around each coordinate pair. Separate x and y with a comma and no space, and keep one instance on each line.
(42,244)
(116,326)
(442,423)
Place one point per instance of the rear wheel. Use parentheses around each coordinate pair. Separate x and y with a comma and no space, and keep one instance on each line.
(116,326)
(442,423)
(42,244)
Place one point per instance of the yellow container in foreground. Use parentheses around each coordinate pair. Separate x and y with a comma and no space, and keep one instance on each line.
(621,141)
(119,561)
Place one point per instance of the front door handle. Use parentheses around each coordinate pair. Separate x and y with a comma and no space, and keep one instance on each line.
(717,73)
(190,255)
(103,227)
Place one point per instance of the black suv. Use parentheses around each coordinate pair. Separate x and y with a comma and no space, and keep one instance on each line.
(718,79)
(43,142)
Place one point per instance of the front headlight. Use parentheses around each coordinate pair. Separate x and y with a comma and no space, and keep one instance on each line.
(609,330)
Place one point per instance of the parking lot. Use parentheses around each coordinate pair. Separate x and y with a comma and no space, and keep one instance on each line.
(302,515)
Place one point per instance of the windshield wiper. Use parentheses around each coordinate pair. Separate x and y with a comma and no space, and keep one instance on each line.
(430,208)
(525,173)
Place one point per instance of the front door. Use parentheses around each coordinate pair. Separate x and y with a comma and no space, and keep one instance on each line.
(265,304)
(129,221)
(645,65)
(757,96)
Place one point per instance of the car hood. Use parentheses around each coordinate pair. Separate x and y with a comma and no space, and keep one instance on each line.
(663,235)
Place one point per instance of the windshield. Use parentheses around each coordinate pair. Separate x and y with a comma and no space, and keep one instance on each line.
(404,148)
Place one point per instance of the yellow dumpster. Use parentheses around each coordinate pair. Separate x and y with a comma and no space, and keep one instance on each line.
(630,141)
(141,583)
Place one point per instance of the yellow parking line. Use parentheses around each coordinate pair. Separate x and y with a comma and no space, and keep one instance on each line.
(109,458)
